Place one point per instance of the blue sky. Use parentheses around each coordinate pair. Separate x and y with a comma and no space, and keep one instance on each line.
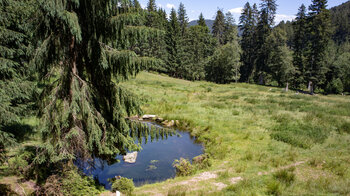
(286,8)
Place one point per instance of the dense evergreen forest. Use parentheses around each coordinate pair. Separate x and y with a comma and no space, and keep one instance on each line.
(63,61)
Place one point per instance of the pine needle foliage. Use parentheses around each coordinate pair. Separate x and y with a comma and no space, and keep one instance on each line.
(84,53)
(16,87)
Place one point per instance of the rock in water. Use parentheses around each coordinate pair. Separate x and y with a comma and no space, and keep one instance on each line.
(130,157)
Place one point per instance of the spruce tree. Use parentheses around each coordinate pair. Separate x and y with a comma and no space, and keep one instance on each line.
(231,31)
(82,58)
(151,6)
(319,33)
(219,27)
(247,26)
(16,85)
(265,24)
(183,18)
(300,45)
(173,43)
(137,4)
(201,21)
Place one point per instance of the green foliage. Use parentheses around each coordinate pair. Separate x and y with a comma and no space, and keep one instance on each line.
(223,66)
(83,108)
(319,34)
(183,18)
(16,86)
(199,46)
(201,21)
(202,161)
(70,183)
(183,167)
(247,23)
(219,27)
(18,164)
(124,185)
(173,45)
(335,86)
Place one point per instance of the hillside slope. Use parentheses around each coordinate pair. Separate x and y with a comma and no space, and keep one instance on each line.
(261,140)
(341,21)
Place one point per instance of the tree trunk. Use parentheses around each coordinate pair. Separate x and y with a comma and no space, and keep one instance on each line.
(310,87)
(261,79)
(287,87)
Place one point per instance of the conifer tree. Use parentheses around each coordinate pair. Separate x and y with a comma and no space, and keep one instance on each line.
(173,43)
(136,4)
(201,21)
(300,45)
(219,26)
(248,26)
(265,24)
(319,36)
(231,31)
(151,6)
(16,85)
(183,18)
(82,58)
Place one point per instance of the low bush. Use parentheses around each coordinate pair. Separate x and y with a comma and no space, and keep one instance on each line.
(70,182)
(124,185)
(202,161)
(183,167)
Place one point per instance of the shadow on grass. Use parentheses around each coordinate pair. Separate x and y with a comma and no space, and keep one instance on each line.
(22,132)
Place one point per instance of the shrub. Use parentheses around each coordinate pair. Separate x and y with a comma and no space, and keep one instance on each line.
(69,182)
(183,167)
(124,185)
(202,161)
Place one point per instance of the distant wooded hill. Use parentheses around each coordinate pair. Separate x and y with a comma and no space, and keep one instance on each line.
(209,23)
(341,22)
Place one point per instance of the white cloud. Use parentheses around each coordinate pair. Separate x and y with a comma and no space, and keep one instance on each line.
(168,5)
(280,17)
(237,10)
(143,6)
(160,5)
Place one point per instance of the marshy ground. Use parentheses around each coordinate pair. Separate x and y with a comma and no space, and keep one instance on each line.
(263,141)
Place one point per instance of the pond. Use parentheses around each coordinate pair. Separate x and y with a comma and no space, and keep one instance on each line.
(153,163)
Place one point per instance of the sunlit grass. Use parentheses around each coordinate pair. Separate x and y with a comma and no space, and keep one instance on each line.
(249,129)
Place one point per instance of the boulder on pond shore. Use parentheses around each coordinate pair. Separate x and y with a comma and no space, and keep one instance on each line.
(149,117)
(130,157)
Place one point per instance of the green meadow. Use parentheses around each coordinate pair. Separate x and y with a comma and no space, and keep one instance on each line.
(261,140)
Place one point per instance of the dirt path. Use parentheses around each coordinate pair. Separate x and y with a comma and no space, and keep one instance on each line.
(192,183)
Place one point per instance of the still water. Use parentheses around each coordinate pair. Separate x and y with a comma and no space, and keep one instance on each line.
(153,163)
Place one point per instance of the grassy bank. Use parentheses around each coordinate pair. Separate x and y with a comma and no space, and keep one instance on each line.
(277,142)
